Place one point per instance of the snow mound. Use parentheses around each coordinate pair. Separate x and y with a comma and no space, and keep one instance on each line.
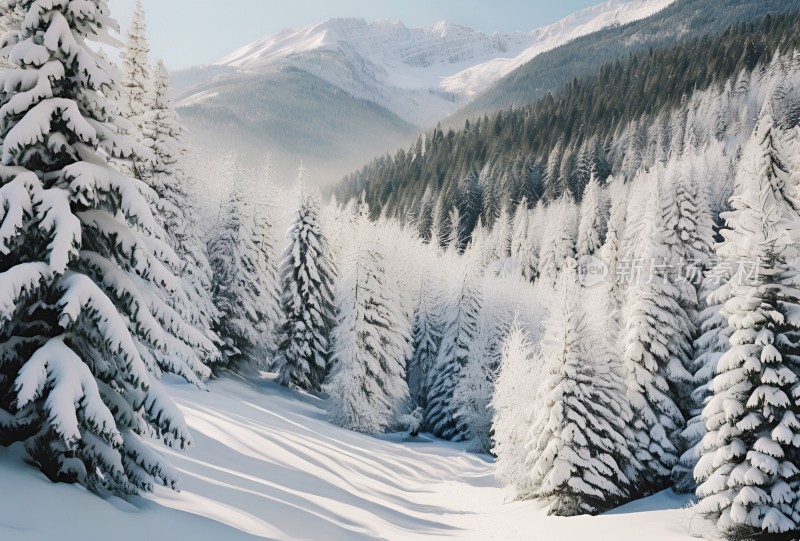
(267,465)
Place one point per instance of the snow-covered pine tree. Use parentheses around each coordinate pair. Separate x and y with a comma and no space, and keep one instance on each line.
(611,252)
(179,205)
(696,224)
(748,475)
(520,224)
(713,341)
(453,238)
(501,235)
(472,396)
(558,242)
(263,210)
(656,343)
(459,329)
(695,231)
(80,265)
(584,166)
(237,288)
(178,216)
(515,407)
(523,249)
(426,336)
(637,199)
(367,384)
(693,234)
(307,278)
(137,100)
(579,440)
(592,225)
(438,236)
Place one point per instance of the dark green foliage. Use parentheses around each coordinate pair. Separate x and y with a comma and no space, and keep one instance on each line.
(684,22)
(543,150)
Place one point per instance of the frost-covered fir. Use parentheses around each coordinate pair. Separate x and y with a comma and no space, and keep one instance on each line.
(177,214)
(307,278)
(515,406)
(579,450)
(558,242)
(83,269)
(366,385)
(137,99)
(610,253)
(592,224)
(523,243)
(264,212)
(656,347)
(712,342)
(179,211)
(238,288)
(473,393)
(748,474)
(459,331)
(426,338)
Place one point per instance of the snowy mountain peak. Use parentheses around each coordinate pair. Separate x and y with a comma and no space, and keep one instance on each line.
(450,62)
(475,79)
(379,41)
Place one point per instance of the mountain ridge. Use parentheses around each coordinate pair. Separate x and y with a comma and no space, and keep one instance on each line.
(399,80)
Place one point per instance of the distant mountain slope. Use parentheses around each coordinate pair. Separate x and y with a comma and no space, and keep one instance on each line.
(472,81)
(292,116)
(632,114)
(680,21)
(337,93)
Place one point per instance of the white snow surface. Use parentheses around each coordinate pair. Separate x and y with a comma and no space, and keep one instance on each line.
(266,464)
(421,74)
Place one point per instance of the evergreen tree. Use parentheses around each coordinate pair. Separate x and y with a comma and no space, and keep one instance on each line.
(748,475)
(367,385)
(263,228)
(138,78)
(592,226)
(454,236)
(426,333)
(515,406)
(523,247)
(611,253)
(307,276)
(238,289)
(83,271)
(473,393)
(459,330)
(178,215)
(694,234)
(558,243)
(711,344)
(580,440)
(657,345)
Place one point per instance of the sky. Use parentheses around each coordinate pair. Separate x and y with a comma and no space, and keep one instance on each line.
(190,32)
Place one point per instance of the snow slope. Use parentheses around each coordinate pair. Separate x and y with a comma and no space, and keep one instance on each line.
(267,465)
(478,78)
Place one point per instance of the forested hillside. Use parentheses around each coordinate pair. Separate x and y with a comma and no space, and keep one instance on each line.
(681,22)
(597,292)
(612,123)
